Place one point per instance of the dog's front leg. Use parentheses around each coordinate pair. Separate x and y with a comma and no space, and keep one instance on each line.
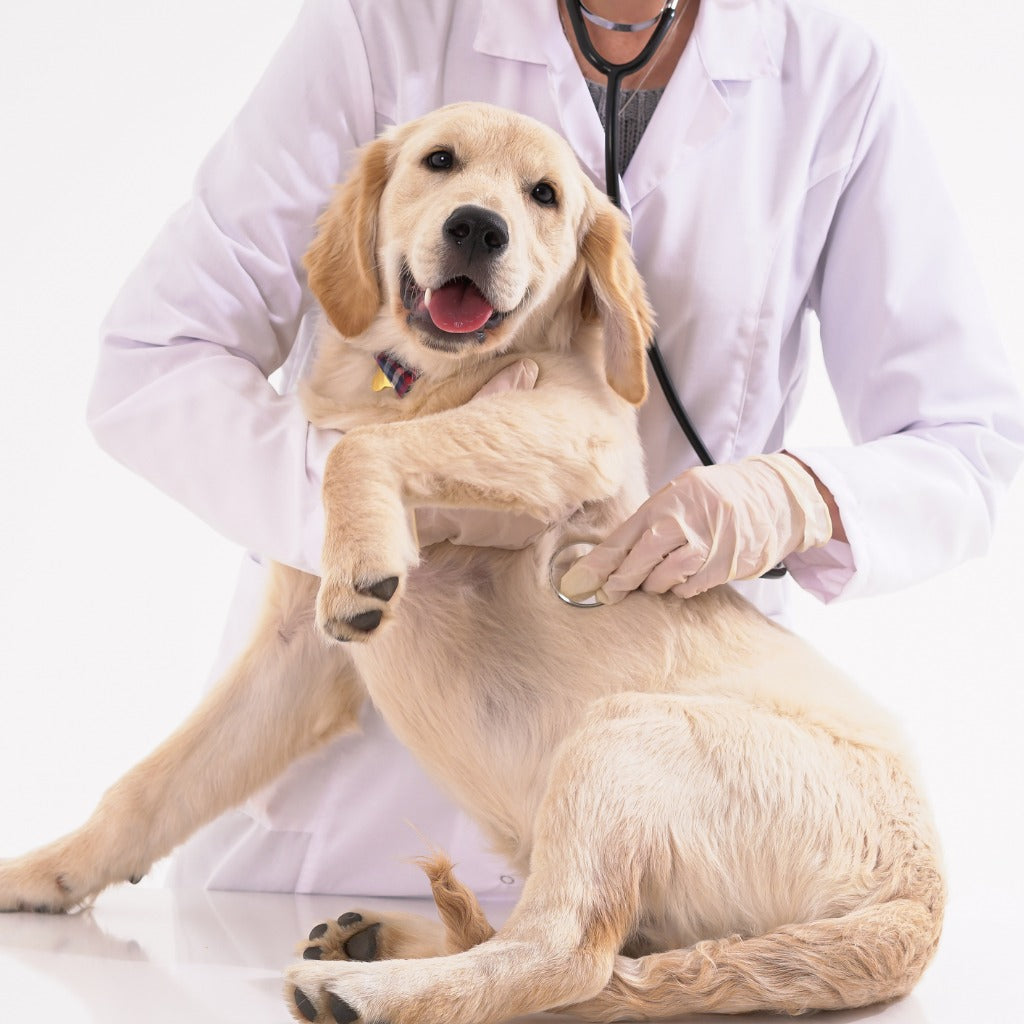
(544,453)
(285,695)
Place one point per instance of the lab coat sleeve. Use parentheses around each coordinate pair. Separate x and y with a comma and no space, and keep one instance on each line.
(181,394)
(922,381)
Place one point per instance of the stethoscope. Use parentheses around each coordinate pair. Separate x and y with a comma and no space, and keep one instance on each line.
(614,75)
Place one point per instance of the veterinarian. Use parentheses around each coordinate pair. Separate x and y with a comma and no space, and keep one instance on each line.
(774,173)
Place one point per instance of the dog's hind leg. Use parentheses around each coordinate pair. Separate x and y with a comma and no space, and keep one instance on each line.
(286,694)
(579,905)
(869,956)
(680,815)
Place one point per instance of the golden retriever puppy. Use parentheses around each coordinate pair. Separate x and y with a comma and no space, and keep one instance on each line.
(709,817)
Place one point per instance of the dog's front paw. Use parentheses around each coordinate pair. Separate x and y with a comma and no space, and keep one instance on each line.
(55,879)
(354,609)
(28,884)
(369,543)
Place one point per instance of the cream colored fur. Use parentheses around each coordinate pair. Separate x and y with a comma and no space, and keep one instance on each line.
(709,816)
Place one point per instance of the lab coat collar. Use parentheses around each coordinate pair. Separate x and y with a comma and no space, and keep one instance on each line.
(517,31)
(738,40)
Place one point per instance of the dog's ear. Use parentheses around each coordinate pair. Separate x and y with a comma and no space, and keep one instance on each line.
(342,261)
(616,296)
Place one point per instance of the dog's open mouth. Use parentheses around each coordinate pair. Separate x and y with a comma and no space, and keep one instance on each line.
(450,313)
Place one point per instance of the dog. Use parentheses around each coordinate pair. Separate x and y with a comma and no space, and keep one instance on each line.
(708,815)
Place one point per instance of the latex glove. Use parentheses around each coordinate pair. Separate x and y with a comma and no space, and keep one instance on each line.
(482,527)
(711,525)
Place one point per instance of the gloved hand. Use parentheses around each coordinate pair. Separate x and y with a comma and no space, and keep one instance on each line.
(483,527)
(711,525)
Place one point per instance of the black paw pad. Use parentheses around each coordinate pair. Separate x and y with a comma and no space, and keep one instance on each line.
(312,953)
(304,1005)
(318,932)
(383,590)
(363,945)
(340,1010)
(349,919)
(366,622)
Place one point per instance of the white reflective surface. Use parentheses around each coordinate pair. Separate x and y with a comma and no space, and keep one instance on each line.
(176,957)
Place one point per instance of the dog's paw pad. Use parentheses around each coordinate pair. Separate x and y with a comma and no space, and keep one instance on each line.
(366,622)
(304,1004)
(383,590)
(358,627)
(363,945)
(340,1010)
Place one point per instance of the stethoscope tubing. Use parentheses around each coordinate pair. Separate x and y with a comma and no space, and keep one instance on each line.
(614,74)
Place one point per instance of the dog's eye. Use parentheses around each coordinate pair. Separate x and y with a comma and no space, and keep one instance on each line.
(544,193)
(440,160)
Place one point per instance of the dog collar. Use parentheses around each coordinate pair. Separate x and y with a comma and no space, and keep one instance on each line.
(392,374)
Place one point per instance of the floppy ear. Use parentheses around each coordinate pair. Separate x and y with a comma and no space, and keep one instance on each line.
(342,261)
(617,297)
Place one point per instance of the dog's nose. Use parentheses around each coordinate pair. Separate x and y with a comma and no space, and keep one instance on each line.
(476,231)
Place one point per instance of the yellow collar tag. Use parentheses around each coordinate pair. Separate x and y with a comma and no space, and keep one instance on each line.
(380,381)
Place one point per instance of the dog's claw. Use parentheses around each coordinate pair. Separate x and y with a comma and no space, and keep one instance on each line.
(304,1005)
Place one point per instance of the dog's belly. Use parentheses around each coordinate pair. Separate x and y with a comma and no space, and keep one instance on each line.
(484,672)
(480,685)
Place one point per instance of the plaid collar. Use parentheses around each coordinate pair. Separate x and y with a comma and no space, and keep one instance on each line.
(391,373)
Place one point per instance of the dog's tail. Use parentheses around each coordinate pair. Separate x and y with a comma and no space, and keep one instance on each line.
(464,920)
(868,956)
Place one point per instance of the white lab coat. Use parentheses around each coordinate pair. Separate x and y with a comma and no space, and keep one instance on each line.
(783,175)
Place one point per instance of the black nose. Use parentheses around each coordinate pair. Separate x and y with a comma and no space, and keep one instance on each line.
(476,231)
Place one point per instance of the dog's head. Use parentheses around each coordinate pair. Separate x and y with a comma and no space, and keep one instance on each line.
(468,225)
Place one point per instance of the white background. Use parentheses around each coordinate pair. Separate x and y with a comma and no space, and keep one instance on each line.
(112,598)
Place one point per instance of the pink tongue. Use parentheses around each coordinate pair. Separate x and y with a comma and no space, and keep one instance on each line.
(459,308)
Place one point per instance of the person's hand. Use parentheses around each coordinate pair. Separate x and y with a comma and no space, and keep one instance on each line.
(711,525)
(482,527)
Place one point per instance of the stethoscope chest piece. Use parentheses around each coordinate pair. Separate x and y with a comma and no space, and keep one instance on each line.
(561,561)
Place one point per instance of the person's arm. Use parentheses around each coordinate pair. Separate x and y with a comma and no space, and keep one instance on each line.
(181,394)
(922,381)
(925,390)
